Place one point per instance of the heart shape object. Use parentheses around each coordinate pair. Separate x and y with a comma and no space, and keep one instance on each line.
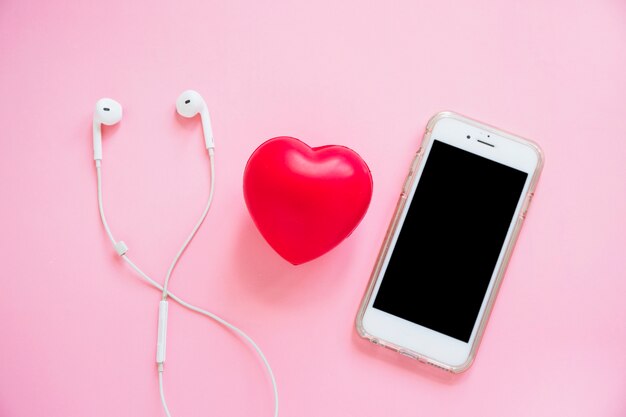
(305,200)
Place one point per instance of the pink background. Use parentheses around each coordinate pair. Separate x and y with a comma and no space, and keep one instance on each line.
(78,329)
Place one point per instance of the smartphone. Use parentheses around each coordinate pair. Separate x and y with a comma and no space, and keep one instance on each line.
(447,246)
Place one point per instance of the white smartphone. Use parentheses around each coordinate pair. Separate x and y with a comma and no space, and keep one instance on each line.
(447,246)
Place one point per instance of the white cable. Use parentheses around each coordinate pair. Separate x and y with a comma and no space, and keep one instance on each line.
(195,229)
(217,319)
(180,301)
(100,206)
(167,411)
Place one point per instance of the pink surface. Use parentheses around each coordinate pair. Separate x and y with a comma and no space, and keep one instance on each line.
(78,329)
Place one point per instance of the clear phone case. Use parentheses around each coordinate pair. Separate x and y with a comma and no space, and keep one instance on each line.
(402,201)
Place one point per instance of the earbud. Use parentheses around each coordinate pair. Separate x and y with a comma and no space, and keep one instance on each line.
(108,112)
(190,103)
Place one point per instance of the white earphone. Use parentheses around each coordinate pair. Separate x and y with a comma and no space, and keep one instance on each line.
(189,104)
(107,112)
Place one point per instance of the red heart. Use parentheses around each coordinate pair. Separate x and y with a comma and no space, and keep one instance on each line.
(304,200)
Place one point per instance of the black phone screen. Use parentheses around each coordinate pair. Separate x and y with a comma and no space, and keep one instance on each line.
(450,241)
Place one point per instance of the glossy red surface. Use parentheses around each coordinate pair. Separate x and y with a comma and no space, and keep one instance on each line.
(305,200)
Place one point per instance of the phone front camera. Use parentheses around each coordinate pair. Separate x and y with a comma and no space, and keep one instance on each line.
(468,136)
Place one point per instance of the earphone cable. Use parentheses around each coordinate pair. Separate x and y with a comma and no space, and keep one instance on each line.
(122,253)
(161,392)
(196,227)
